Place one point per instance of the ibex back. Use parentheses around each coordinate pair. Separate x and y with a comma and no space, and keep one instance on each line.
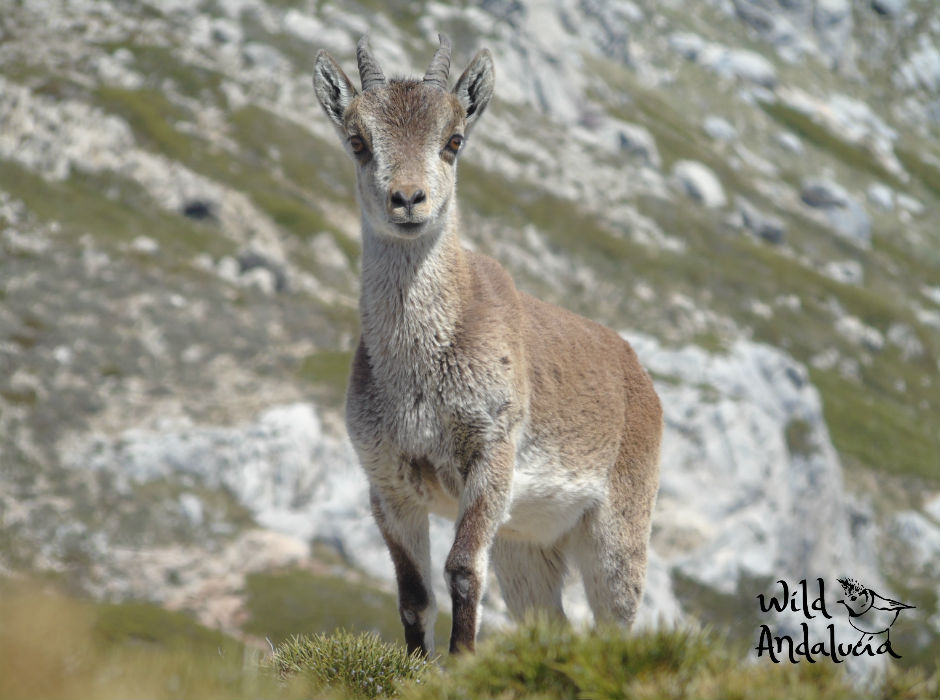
(537,431)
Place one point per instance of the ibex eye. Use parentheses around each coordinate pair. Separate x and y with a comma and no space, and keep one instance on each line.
(357,144)
(455,142)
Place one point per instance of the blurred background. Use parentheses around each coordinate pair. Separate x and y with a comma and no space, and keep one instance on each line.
(749,190)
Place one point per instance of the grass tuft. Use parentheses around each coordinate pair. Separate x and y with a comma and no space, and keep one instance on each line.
(547,660)
(358,665)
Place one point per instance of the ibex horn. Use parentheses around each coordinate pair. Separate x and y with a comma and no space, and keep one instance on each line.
(440,64)
(369,71)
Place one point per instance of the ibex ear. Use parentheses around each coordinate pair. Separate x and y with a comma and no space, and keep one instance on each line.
(475,87)
(333,88)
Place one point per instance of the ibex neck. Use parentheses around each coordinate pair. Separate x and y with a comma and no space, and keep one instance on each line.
(411,297)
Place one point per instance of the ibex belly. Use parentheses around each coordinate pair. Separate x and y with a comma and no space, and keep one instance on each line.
(547,499)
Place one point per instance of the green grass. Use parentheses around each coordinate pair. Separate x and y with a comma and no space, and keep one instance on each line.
(307,163)
(551,661)
(160,62)
(328,370)
(359,666)
(150,625)
(928,174)
(853,155)
(123,213)
(151,116)
(290,213)
(295,602)
(312,170)
(891,437)
(53,646)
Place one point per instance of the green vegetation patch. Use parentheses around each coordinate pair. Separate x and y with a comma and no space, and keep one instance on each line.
(328,370)
(295,602)
(53,646)
(57,647)
(928,174)
(158,62)
(920,642)
(798,434)
(357,665)
(855,156)
(151,116)
(112,209)
(149,624)
(308,165)
(892,437)
(545,660)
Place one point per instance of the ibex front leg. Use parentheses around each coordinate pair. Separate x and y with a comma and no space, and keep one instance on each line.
(487,486)
(404,526)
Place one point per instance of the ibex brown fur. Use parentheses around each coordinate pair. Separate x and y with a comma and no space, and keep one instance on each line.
(537,431)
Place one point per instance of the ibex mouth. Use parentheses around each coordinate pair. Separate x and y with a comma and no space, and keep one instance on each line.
(409,228)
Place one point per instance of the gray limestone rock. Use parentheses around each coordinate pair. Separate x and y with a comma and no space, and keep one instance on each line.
(719,129)
(770,228)
(699,182)
(845,215)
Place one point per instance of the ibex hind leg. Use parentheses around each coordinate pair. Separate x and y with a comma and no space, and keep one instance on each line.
(530,577)
(610,544)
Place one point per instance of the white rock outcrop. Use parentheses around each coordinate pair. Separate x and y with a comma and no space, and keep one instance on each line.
(751,486)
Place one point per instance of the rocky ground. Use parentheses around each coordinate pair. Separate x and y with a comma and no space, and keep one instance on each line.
(749,190)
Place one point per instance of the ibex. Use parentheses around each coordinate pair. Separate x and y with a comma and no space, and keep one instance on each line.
(535,430)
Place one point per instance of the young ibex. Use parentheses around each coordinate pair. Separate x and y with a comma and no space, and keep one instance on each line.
(537,431)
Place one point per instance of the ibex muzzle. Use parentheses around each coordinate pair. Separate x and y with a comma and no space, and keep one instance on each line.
(537,431)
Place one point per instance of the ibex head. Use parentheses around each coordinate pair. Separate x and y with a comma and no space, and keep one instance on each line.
(404,135)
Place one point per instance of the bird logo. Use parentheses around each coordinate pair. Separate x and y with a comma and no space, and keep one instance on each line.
(869,612)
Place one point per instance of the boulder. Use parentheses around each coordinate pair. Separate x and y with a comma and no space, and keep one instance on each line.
(905,339)
(740,64)
(845,215)
(770,228)
(719,129)
(845,271)
(858,333)
(699,182)
(639,142)
(889,8)
(687,45)
(790,142)
(922,69)
(881,196)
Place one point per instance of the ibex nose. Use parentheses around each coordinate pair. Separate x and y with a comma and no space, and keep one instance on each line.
(407,196)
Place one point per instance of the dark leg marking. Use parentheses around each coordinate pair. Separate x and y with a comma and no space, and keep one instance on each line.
(412,596)
(465,584)
(465,595)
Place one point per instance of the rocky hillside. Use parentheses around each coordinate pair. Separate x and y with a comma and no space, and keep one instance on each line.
(748,189)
